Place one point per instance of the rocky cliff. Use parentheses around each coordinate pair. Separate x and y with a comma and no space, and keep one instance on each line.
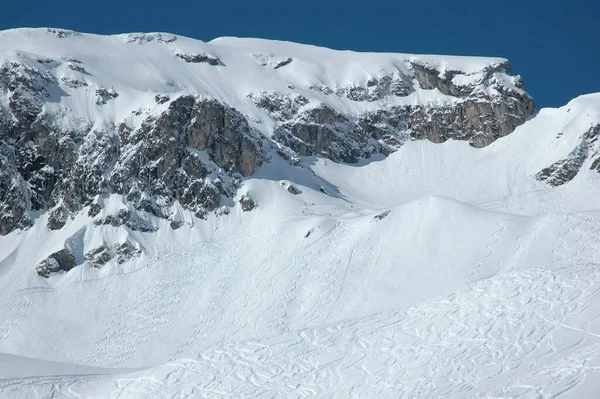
(164,120)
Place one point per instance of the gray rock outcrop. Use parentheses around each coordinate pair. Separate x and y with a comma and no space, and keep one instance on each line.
(292,189)
(196,150)
(565,170)
(199,58)
(62,260)
(43,165)
(105,253)
(247,203)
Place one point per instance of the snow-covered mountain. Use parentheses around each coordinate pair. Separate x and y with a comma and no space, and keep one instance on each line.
(252,218)
(163,119)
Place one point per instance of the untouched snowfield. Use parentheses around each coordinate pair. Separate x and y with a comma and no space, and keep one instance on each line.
(442,271)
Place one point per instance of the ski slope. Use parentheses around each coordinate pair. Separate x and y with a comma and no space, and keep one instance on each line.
(441,271)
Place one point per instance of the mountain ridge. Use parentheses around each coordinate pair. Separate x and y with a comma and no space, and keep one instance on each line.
(73,92)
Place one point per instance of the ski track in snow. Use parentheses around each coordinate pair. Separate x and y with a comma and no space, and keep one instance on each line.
(488,333)
(498,335)
(242,321)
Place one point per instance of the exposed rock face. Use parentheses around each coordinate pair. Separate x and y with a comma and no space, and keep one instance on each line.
(176,224)
(15,195)
(61,33)
(125,218)
(283,63)
(222,211)
(492,105)
(73,83)
(486,106)
(225,134)
(121,253)
(281,107)
(46,267)
(272,61)
(57,218)
(76,66)
(42,164)
(125,252)
(195,150)
(103,95)
(98,257)
(141,38)
(377,88)
(26,89)
(565,170)
(94,209)
(160,99)
(292,190)
(199,58)
(381,215)
(247,203)
(323,131)
(62,260)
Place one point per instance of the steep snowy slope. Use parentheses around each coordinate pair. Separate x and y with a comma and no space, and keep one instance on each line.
(504,176)
(431,268)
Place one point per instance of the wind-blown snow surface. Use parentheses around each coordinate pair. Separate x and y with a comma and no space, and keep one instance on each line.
(255,66)
(440,271)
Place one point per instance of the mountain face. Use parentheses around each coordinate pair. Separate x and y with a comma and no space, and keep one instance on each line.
(196,118)
(253,218)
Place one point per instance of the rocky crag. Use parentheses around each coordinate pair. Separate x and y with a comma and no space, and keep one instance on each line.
(68,138)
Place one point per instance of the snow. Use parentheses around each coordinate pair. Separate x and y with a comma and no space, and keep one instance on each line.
(12,366)
(478,282)
(139,65)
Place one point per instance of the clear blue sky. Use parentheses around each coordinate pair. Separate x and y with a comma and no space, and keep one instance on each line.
(553,44)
